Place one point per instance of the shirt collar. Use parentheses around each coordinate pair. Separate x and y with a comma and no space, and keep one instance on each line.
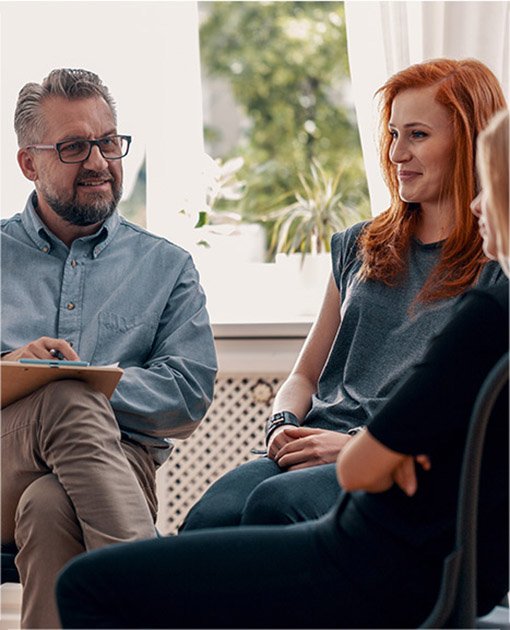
(44,239)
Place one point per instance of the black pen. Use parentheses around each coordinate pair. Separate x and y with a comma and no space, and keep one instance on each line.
(57,354)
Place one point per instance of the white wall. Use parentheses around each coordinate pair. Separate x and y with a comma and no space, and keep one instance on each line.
(152,69)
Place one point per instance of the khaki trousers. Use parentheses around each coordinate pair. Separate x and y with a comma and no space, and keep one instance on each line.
(69,485)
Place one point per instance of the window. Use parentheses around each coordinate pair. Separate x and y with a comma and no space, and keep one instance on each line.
(279,124)
(274,99)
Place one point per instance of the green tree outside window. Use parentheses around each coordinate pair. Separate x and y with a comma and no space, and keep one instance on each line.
(288,68)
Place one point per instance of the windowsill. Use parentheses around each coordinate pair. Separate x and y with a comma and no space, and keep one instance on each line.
(285,329)
(247,299)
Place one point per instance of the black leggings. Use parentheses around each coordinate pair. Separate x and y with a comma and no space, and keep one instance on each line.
(296,576)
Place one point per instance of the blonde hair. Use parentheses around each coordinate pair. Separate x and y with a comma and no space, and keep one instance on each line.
(493,166)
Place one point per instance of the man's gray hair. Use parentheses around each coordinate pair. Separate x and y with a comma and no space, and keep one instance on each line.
(69,83)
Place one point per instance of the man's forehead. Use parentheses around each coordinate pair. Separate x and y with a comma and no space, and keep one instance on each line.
(84,116)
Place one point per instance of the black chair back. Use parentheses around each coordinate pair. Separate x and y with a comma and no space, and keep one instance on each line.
(456,603)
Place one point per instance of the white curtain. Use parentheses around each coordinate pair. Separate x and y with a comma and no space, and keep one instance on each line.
(147,53)
(385,37)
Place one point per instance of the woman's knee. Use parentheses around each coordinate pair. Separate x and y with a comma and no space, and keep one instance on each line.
(223,503)
(271,503)
(292,497)
(220,506)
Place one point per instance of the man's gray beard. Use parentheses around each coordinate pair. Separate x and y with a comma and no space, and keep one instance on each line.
(84,214)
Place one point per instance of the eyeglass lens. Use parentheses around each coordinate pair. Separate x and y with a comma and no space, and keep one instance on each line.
(111,147)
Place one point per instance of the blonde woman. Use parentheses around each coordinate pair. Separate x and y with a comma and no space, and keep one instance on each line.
(374,561)
(491,205)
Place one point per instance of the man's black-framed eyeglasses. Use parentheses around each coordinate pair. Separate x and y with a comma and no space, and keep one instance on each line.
(74,151)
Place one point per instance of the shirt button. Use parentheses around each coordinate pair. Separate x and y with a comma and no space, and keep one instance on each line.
(45,249)
(74,264)
(70,306)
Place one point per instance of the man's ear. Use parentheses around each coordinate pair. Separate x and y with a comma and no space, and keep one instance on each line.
(27,164)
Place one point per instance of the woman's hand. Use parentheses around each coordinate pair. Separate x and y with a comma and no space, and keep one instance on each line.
(301,447)
(367,464)
(404,475)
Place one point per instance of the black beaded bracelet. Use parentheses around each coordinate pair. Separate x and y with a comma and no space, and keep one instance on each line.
(279,419)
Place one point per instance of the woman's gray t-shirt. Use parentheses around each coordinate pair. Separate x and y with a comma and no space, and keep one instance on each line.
(378,340)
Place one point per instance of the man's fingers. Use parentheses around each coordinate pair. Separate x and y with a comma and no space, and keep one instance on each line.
(55,348)
(41,349)
(62,346)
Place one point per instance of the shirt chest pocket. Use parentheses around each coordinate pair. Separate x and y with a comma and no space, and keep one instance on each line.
(127,340)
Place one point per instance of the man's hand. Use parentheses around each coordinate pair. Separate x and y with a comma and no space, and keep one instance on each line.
(301,447)
(405,473)
(40,349)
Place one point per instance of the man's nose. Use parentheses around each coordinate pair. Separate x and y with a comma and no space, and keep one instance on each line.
(95,161)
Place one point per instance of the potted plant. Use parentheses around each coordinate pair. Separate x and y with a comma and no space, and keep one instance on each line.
(320,208)
(301,231)
(221,184)
(217,233)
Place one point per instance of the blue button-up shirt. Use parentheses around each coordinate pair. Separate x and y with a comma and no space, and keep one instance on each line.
(119,295)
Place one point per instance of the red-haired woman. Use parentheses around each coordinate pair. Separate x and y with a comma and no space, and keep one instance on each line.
(374,561)
(394,282)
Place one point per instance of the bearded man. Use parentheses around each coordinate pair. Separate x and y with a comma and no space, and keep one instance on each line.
(81,282)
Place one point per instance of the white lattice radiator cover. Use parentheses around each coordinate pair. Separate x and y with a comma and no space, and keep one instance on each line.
(233,426)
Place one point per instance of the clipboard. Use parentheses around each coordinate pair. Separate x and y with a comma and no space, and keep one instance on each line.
(20,379)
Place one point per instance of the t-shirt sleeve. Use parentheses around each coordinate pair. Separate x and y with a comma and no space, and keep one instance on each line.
(438,394)
(344,250)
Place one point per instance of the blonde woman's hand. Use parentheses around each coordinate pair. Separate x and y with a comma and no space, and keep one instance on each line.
(404,474)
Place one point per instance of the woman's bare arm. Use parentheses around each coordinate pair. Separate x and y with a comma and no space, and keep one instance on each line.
(295,394)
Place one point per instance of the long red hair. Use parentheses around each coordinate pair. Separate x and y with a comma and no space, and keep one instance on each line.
(472,94)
